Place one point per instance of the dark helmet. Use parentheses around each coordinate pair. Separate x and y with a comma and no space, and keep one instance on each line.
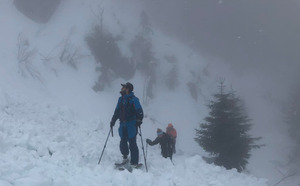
(129,86)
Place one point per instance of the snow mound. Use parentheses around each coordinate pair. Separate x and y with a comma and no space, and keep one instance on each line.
(44,145)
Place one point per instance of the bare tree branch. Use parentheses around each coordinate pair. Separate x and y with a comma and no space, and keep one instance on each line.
(25,56)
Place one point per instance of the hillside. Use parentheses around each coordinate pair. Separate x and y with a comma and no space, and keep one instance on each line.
(53,123)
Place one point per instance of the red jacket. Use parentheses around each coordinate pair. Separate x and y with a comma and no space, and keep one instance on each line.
(171,131)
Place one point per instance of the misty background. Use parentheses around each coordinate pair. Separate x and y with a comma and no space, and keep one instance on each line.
(259,36)
(252,44)
(253,37)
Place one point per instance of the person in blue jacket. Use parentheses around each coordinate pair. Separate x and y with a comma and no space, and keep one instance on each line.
(130,113)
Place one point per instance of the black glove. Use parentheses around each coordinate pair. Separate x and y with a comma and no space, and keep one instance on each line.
(138,123)
(112,124)
(148,141)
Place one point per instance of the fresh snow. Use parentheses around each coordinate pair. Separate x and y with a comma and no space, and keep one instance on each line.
(44,145)
(52,130)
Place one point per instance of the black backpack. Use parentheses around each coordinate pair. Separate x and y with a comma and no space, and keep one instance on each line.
(170,145)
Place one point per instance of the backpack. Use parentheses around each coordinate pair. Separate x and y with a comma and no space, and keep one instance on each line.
(171,131)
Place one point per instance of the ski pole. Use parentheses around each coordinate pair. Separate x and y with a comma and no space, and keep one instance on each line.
(146,149)
(172,161)
(143,149)
(104,145)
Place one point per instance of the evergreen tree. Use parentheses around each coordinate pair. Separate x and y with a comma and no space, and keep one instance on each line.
(224,134)
(104,47)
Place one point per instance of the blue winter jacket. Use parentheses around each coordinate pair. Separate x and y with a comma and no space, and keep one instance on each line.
(128,110)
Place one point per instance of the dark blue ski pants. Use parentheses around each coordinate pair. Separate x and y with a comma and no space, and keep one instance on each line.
(134,150)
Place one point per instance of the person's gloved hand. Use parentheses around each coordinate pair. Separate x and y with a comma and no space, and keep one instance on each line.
(138,123)
(148,141)
(112,124)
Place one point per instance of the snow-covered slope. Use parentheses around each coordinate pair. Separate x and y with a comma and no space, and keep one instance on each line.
(59,83)
(44,145)
(53,125)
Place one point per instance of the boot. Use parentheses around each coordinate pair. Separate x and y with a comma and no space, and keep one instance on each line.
(125,159)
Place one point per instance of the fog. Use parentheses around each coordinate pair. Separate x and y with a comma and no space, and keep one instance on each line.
(253,44)
(261,37)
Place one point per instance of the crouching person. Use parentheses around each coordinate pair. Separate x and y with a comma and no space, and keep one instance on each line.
(166,143)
